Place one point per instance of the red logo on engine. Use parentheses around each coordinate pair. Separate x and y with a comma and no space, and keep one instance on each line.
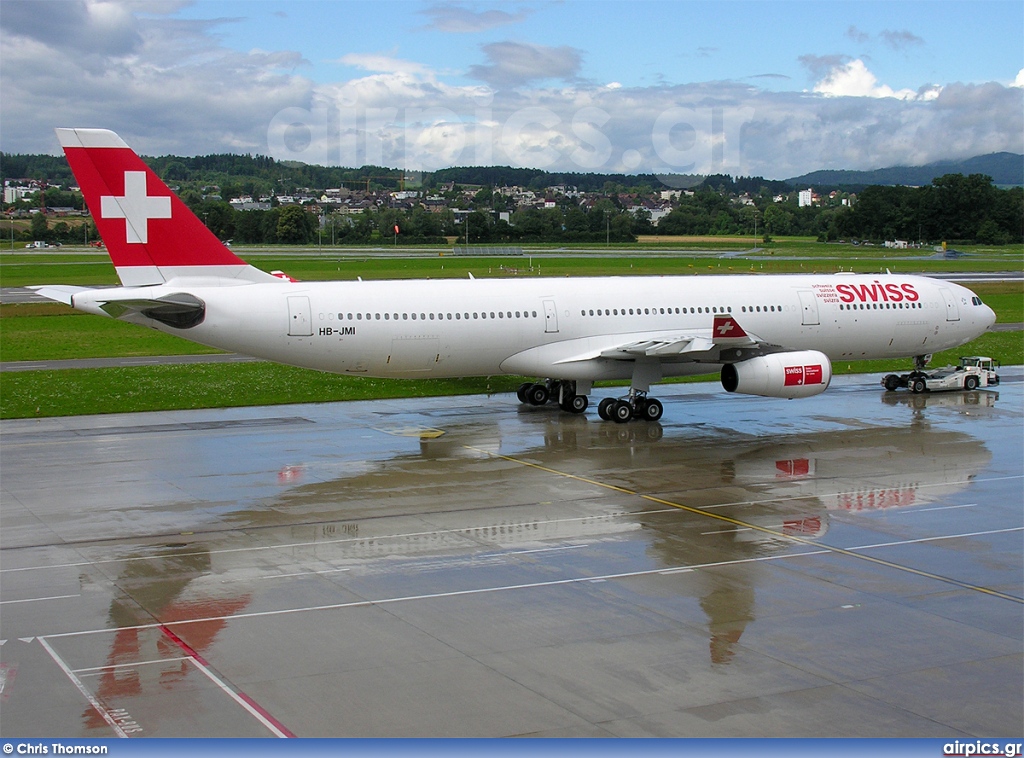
(797,376)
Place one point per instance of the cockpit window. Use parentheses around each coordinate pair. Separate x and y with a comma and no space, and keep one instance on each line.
(976,300)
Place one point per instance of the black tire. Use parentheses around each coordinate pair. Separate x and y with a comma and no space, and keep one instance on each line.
(576,404)
(917,386)
(891,382)
(537,394)
(523,389)
(653,409)
(621,412)
(604,408)
(970,382)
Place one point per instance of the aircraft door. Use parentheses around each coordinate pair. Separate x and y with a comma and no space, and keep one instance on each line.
(550,317)
(808,308)
(952,312)
(300,319)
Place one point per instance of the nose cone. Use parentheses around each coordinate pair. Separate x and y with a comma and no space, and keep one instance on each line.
(988,317)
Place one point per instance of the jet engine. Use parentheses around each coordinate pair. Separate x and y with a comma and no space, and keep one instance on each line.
(797,374)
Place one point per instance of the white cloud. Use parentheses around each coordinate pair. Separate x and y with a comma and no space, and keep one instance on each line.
(1019,81)
(170,86)
(163,83)
(383,63)
(852,79)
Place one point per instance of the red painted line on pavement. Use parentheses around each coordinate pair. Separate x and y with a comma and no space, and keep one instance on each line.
(263,712)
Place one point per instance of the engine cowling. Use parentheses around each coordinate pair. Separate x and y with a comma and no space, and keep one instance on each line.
(800,373)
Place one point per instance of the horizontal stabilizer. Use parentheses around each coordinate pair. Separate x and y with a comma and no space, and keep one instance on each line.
(62,293)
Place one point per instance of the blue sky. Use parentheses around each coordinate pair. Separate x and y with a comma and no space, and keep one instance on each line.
(771,88)
(650,43)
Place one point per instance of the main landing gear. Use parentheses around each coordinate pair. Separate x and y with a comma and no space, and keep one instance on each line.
(553,390)
(572,399)
(635,405)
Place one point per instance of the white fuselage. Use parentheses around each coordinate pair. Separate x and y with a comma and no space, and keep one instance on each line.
(559,327)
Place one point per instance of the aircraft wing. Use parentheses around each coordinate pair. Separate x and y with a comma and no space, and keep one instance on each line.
(694,344)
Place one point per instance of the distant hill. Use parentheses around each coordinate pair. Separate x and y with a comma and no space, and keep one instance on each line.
(1006,170)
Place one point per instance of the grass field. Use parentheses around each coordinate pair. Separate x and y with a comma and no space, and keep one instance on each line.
(656,256)
(46,332)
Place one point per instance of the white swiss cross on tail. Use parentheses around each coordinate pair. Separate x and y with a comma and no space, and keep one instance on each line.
(135,207)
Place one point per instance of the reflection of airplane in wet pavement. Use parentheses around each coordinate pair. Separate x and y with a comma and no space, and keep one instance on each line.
(425,514)
(172,587)
(875,470)
(795,483)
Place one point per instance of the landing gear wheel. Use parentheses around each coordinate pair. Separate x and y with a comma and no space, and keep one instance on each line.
(891,382)
(621,412)
(652,409)
(575,404)
(523,389)
(604,408)
(537,394)
(971,383)
(917,386)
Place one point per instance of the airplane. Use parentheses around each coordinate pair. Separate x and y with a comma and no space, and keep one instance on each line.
(772,336)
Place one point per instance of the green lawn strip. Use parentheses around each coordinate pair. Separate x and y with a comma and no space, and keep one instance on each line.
(150,388)
(80,335)
(8,258)
(80,274)
(349,268)
(313,263)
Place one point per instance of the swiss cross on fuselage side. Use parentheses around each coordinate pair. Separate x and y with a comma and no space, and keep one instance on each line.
(136,207)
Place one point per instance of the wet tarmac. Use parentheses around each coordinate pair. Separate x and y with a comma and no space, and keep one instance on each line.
(845,565)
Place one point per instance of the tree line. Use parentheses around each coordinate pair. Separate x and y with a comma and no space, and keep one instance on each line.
(954,207)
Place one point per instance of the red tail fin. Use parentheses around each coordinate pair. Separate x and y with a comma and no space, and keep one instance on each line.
(150,233)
